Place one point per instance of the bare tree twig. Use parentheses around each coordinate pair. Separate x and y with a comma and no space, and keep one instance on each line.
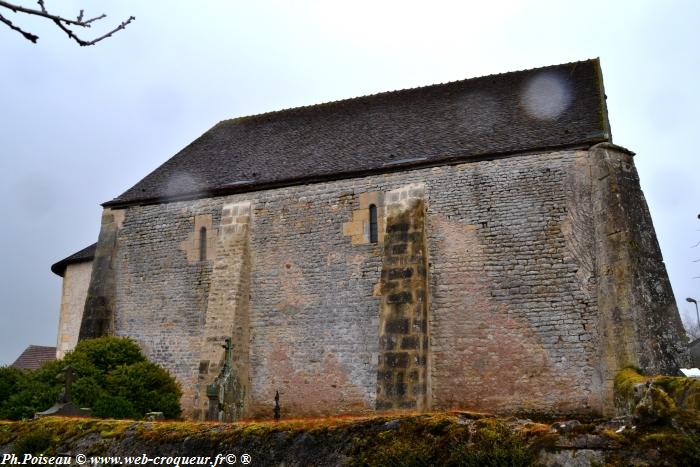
(84,43)
(30,11)
(123,25)
(27,35)
(92,20)
(63,23)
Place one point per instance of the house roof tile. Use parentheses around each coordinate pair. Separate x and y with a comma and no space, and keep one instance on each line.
(34,356)
(86,254)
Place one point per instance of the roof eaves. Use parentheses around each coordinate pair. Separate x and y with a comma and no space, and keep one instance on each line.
(412,164)
(86,254)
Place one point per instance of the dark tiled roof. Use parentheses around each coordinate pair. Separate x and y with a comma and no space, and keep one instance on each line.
(34,356)
(86,254)
(544,108)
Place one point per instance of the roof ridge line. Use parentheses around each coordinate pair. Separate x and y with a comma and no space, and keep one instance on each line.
(395,91)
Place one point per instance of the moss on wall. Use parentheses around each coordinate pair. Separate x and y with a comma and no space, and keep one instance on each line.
(457,438)
(657,399)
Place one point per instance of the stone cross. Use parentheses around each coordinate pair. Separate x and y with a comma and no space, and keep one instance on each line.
(63,407)
(68,376)
(227,358)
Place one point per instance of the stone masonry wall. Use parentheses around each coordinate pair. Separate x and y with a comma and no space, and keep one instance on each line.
(163,290)
(511,302)
(76,280)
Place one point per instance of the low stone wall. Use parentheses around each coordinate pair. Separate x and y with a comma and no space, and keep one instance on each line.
(458,438)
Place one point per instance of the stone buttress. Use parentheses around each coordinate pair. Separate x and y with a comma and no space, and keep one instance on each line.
(402,376)
(227,314)
(639,324)
(100,306)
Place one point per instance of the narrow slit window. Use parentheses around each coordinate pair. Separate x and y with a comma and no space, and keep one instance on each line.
(203,244)
(372,223)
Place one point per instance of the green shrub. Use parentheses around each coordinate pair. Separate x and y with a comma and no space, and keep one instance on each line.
(149,388)
(27,395)
(104,354)
(113,378)
(109,406)
(87,390)
(10,380)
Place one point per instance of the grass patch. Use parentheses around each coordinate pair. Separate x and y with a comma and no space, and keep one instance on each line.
(626,380)
(439,440)
(34,442)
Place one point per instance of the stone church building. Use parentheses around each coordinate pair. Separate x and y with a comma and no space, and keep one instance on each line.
(480,244)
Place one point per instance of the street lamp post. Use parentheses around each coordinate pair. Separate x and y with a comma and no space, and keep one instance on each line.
(692,300)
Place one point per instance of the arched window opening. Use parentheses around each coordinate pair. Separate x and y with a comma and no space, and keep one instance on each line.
(203,244)
(372,223)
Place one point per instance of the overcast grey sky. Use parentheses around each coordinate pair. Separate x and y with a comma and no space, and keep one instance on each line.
(81,125)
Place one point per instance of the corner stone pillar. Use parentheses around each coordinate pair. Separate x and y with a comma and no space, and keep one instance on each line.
(639,324)
(98,314)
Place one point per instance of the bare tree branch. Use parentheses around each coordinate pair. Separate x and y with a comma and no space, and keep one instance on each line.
(693,330)
(63,23)
(27,35)
(43,14)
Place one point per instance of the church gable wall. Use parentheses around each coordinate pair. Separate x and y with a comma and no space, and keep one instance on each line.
(510,300)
